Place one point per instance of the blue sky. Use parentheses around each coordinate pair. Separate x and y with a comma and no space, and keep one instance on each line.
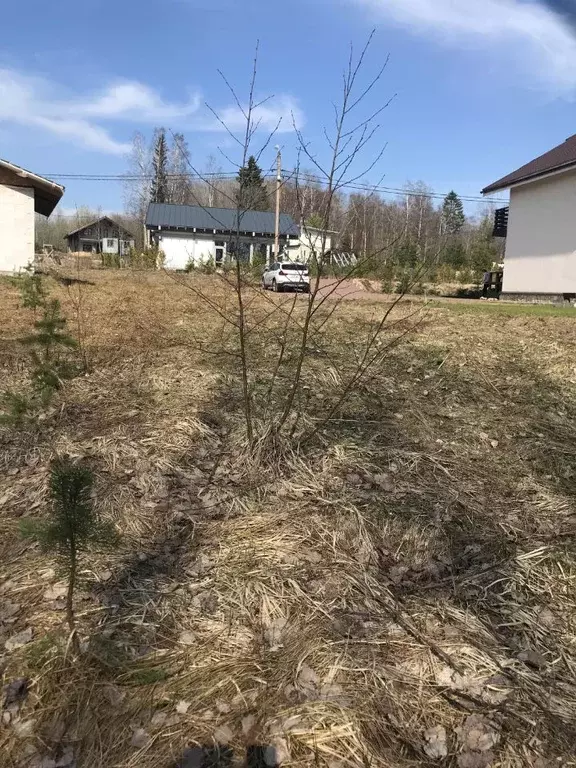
(481,86)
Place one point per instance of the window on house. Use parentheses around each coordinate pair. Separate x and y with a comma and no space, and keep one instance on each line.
(219,255)
(110,243)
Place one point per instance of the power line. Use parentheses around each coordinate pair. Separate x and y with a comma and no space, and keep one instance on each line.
(307,178)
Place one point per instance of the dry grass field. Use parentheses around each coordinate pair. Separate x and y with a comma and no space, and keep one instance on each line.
(398,591)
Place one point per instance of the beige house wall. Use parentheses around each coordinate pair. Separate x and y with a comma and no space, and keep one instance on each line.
(16,227)
(541,243)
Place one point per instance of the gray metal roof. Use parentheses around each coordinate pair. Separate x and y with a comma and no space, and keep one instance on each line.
(169,216)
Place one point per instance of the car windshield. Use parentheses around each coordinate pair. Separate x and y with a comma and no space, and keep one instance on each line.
(295,267)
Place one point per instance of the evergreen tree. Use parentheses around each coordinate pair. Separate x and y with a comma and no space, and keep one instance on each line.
(252,193)
(72,526)
(47,344)
(455,254)
(453,218)
(484,248)
(159,192)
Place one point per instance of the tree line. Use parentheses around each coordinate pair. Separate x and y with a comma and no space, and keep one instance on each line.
(404,231)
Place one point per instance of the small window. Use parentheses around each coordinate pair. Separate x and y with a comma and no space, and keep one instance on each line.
(110,243)
(219,255)
(290,267)
(219,243)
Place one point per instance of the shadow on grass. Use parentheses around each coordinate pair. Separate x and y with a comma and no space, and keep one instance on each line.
(479,495)
(221,756)
(473,490)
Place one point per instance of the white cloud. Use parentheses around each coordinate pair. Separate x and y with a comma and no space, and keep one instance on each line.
(128,100)
(282,112)
(539,41)
(39,103)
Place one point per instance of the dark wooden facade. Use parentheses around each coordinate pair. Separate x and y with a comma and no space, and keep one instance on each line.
(101,236)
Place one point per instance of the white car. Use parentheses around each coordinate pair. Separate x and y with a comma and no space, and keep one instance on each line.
(286,276)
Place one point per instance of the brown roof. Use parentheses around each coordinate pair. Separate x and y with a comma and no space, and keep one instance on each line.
(46,193)
(562,156)
(96,221)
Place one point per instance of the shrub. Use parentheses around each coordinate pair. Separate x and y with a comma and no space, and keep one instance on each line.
(404,282)
(146,258)
(111,260)
(208,266)
(387,278)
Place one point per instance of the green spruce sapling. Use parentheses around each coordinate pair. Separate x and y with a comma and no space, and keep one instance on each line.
(73,526)
(32,289)
(47,345)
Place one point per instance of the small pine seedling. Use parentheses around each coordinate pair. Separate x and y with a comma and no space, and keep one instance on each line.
(15,408)
(73,526)
(47,344)
(32,289)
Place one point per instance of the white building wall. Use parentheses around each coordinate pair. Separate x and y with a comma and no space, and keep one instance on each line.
(180,249)
(541,242)
(300,249)
(109,245)
(16,227)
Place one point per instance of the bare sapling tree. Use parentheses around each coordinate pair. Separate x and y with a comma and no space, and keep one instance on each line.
(276,393)
(238,277)
(348,158)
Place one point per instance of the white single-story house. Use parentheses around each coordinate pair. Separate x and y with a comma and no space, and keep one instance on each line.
(311,242)
(193,234)
(540,227)
(22,194)
(103,235)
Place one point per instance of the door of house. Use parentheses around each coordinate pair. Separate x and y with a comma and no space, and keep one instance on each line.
(220,252)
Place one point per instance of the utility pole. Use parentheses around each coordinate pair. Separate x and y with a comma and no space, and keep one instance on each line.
(278,182)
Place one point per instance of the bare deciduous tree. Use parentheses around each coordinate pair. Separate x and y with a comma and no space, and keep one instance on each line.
(283,331)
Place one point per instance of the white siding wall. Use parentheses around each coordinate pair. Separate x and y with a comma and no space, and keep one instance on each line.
(301,248)
(125,245)
(180,249)
(109,248)
(541,243)
(16,227)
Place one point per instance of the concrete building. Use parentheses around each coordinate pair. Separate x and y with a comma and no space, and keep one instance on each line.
(22,194)
(100,236)
(540,227)
(193,234)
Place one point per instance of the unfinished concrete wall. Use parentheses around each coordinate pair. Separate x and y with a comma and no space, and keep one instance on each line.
(16,227)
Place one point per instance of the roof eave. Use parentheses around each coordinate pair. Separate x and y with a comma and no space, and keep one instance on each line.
(47,194)
(499,186)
